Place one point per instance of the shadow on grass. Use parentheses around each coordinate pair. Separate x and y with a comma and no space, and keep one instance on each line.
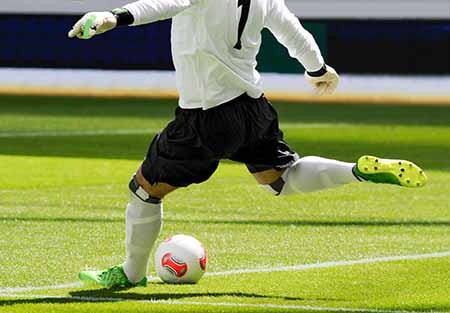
(371,223)
(62,219)
(324,223)
(425,154)
(117,295)
(109,295)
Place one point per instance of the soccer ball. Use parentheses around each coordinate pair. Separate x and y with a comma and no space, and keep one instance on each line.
(180,259)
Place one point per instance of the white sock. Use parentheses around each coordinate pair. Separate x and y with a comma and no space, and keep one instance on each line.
(314,173)
(143,224)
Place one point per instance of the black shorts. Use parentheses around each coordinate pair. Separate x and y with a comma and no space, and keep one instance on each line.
(189,149)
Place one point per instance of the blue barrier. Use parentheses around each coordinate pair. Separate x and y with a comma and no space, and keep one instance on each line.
(363,46)
(41,41)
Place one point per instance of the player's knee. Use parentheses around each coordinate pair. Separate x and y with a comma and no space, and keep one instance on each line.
(268,176)
(269,180)
(273,188)
(140,193)
(157,190)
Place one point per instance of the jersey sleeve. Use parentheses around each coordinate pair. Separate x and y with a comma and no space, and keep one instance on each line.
(148,11)
(288,30)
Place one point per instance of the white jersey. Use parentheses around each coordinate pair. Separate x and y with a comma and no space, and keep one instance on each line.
(215,43)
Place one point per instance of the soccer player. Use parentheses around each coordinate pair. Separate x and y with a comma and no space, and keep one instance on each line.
(223,114)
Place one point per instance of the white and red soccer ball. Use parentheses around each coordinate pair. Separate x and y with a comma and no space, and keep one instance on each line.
(180,259)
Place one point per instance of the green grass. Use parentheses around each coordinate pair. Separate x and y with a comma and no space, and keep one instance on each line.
(62,202)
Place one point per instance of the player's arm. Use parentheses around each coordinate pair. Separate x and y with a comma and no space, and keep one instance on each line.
(136,13)
(301,45)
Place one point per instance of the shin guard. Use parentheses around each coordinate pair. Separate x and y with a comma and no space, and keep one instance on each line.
(143,225)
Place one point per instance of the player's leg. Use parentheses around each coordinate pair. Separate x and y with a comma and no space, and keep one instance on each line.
(307,174)
(174,159)
(315,173)
(276,166)
(143,223)
(280,170)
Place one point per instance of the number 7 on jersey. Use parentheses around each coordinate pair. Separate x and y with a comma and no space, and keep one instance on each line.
(244,17)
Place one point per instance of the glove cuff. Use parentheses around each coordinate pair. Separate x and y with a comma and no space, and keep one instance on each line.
(319,73)
(123,16)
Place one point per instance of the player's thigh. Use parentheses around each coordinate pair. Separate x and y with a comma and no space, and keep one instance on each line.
(266,154)
(177,157)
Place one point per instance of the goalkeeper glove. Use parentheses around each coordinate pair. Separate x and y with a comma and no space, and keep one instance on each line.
(93,23)
(324,81)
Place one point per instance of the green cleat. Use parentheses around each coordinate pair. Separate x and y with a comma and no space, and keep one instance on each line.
(113,277)
(386,171)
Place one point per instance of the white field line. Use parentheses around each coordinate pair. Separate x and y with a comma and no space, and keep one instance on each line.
(287,307)
(302,267)
(28,289)
(109,132)
(106,132)
(314,125)
(299,267)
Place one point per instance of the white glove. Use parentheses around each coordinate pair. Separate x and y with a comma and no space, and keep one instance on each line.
(325,84)
(93,23)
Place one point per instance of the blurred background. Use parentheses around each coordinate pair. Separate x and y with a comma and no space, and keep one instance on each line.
(386,50)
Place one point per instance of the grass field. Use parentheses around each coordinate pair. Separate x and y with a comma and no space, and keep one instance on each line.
(64,168)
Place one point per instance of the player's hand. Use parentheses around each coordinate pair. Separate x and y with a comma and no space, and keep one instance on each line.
(93,23)
(326,83)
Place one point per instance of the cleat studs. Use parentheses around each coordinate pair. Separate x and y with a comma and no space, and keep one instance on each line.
(375,168)
(408,181)
(376,160)
(366,168)
(402,169)
(417,184)
(399,163)
(400,175)
(421,172)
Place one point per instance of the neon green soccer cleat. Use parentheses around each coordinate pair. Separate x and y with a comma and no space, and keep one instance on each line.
(112,277)
(397,172)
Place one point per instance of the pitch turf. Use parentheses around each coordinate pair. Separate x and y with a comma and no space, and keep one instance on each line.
(64,168)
